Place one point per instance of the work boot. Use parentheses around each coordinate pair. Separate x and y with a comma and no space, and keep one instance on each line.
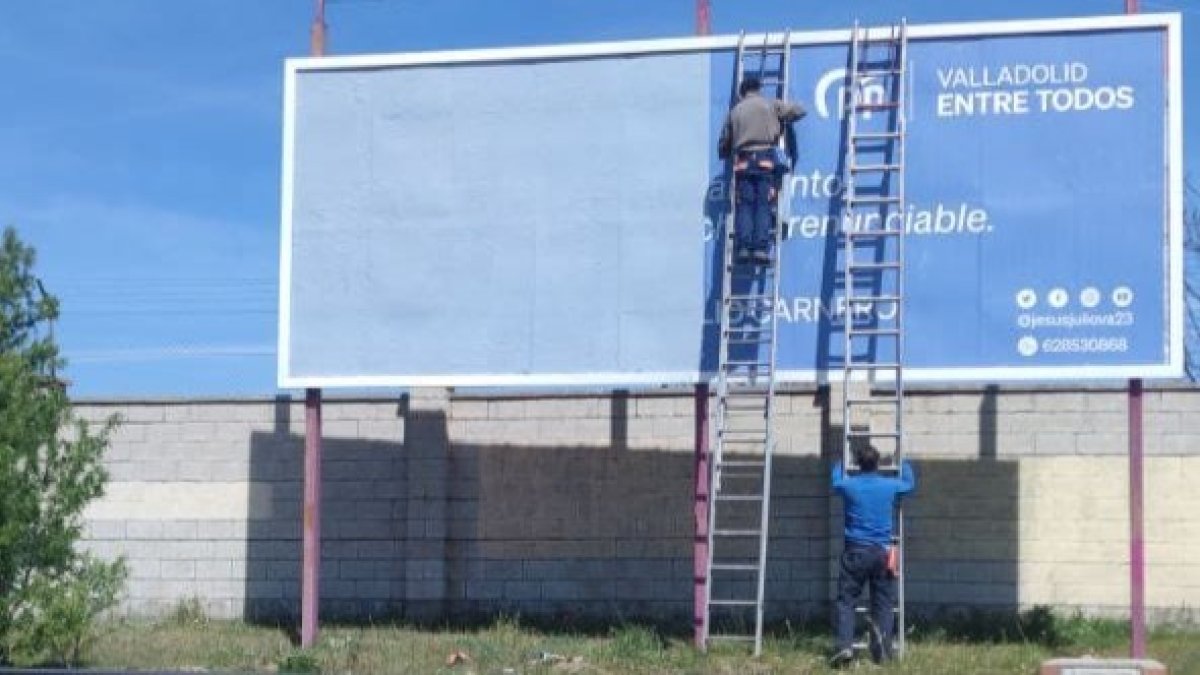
(842,658)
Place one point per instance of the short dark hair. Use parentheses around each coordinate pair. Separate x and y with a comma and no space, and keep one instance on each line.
(867,458)
(750,83)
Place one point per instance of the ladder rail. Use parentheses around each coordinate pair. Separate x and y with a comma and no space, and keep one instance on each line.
(769,448)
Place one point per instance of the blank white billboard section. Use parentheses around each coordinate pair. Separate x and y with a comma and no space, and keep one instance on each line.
(488,222)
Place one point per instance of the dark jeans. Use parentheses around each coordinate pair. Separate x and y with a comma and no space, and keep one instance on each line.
(865,565)
(754,216)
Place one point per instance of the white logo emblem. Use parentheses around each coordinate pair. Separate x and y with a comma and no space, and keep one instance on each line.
(1058,298)
(1027,346)
(1122,296)
(1089,297)
(1026,298)
(872,92)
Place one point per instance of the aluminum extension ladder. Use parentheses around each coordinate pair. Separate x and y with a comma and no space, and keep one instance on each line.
(873,263)
(743,438)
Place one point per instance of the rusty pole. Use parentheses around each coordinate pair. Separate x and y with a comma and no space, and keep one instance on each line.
(1137,544)
(310,576)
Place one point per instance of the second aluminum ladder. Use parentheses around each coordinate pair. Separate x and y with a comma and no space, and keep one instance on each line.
(873,262)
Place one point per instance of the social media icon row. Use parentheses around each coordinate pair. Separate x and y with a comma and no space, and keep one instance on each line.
(1089,297)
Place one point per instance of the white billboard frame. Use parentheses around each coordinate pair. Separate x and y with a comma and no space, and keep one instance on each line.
(1173,217)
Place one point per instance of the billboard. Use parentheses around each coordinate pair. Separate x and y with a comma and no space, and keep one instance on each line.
(552,215)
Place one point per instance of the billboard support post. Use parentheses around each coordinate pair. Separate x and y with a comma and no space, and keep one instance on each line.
(311,565)
(311,573)
(1137,553)
(700,550)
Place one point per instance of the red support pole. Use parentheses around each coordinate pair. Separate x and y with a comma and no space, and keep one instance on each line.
(1137,543)
(1137,547)
(311,572)
(700,550)
(703,18)
(317,32)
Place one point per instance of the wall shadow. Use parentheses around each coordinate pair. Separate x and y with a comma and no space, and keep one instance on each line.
(425,529)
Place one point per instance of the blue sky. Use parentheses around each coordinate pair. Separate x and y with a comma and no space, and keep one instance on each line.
(141,149)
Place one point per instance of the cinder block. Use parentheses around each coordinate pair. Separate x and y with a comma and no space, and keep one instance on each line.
(373,589)
(387,430)
(144,529)
(663,406)
(564,408)
(215,569)
(105,529)
(177,569)
(507,409)
(1102,443)
(484,589)
(468,409)
(142,568)
(522,590)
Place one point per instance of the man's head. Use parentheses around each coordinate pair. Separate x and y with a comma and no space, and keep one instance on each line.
(867,458)
(750,85)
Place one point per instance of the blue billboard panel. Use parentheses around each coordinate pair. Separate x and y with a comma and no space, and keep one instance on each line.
(554,215)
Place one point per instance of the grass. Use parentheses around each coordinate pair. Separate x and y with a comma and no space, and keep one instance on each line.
(964,646)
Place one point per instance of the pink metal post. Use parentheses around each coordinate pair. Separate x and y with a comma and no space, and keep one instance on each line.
(1137,545)
(311,573)
(700,513)
(1137,549)
(703,18)
(700,550)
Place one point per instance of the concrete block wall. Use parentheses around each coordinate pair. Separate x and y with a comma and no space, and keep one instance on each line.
(440,504)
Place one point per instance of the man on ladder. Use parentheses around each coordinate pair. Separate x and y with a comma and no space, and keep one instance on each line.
(749,139)
(868,558)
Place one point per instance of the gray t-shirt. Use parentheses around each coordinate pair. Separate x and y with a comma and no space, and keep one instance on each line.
(756,123)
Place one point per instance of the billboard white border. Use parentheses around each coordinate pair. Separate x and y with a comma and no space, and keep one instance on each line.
(1170,22)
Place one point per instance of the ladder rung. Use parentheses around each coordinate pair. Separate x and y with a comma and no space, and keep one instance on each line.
(755,297)
(863,168)
(863,234)
(873,434)
(874,199)
(882,72)
(734,603)
(749,341)
(875,105)
(734,638)
(737,533)
(737,463)
(872,298)
(731,567)
(868,332)
(890,400)
(875,135)
(871,266)
(739,498)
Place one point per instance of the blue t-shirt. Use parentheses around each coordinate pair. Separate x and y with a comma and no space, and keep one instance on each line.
(869,499)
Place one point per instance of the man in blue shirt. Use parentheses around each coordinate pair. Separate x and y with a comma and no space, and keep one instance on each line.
(869,499)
